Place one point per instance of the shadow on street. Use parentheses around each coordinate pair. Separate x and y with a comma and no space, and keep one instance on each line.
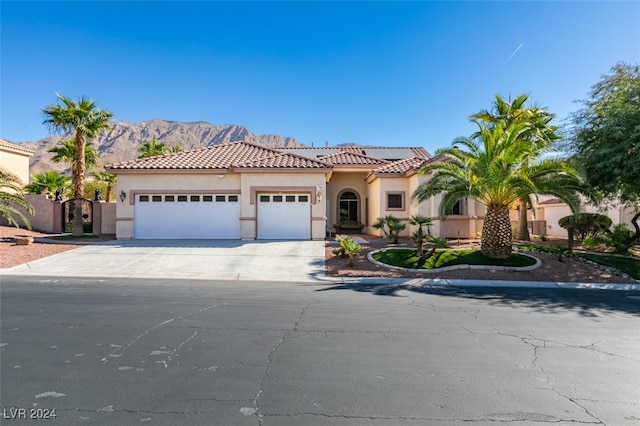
(588,303)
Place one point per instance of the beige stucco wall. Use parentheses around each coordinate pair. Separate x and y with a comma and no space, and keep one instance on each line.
(253,184)
(135,183)
(378,203)
(340,182)
(47,215)
(247,184)
(15,162)
(107,217)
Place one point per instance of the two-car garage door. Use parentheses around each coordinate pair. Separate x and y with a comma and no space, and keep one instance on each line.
(185,216)
(281,216)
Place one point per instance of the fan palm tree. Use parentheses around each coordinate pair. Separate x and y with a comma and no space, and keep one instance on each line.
(107,179)
(47,182)
(65,152)
(86,121)
(12,201)
(497,169)
(541,133)
(152,148)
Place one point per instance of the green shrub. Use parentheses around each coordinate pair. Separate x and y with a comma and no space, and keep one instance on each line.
(594,242)
(390,226)
(587,224)
(619,239)
(348,248)
(438,242)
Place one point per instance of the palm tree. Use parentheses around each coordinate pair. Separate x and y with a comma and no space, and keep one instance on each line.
(152,148)
(86,121)
(541,133)
(47,182)
(497,169)
(12,201)
(65,152)
(174,149)
(418,236)
(107,179)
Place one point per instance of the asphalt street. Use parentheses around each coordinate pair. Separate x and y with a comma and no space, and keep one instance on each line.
(127,351)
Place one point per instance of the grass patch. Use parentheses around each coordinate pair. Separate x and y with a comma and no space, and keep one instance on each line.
(628,265)
(72,238)
(406,258)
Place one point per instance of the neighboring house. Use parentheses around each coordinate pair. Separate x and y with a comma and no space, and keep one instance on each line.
(551,210)
(244,191)
(15,159)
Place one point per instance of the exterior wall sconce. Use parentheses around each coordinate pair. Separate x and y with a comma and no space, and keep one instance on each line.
(123,196)
(318,194)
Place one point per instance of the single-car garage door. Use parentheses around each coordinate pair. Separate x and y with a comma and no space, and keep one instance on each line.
(284,217)
(170,216)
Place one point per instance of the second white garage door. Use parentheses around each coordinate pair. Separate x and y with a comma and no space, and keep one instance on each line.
(170,216)
(284,217)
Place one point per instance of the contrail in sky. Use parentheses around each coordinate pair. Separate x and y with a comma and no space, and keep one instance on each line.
(514,52)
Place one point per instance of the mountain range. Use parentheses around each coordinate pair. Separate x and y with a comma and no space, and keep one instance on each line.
(121,141)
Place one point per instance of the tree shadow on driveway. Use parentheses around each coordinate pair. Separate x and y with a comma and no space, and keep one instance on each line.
(587,303)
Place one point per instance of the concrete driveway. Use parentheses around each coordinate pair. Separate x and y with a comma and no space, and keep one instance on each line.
(206,259)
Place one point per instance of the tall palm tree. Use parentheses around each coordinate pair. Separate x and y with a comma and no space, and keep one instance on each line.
(541,133)
(86,121)
(65,152)
(107,179)
(47,182)
(152,148)
(12,201)
(496,169)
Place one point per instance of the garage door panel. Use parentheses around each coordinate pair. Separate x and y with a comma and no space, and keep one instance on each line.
(284,216)
(170,216)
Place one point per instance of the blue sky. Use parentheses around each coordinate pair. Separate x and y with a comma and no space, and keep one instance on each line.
(373,73)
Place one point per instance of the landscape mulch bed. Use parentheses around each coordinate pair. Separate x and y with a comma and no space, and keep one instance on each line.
(552,269)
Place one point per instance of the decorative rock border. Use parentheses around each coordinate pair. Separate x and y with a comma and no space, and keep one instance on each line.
(454,267)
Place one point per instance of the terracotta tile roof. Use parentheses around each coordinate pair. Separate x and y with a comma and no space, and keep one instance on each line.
(15,147)
(222,156)
(283,160)
(402,166)
(352,159)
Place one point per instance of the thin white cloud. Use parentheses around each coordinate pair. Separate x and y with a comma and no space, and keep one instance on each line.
(514,52)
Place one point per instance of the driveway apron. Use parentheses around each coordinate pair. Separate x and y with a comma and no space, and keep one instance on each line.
(206,259)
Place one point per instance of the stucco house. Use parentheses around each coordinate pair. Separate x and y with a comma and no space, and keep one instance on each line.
(244,191)
(15,160)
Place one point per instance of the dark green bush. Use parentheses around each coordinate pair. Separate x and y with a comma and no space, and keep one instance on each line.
(619,239)
(587,224)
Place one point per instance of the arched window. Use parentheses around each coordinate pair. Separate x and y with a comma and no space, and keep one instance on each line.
(348,206)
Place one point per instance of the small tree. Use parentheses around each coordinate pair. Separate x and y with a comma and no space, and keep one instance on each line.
(418,236)
(12,199)
(390,226)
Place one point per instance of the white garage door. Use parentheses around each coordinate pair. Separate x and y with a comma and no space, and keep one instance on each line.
(170,216)
(284,217)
